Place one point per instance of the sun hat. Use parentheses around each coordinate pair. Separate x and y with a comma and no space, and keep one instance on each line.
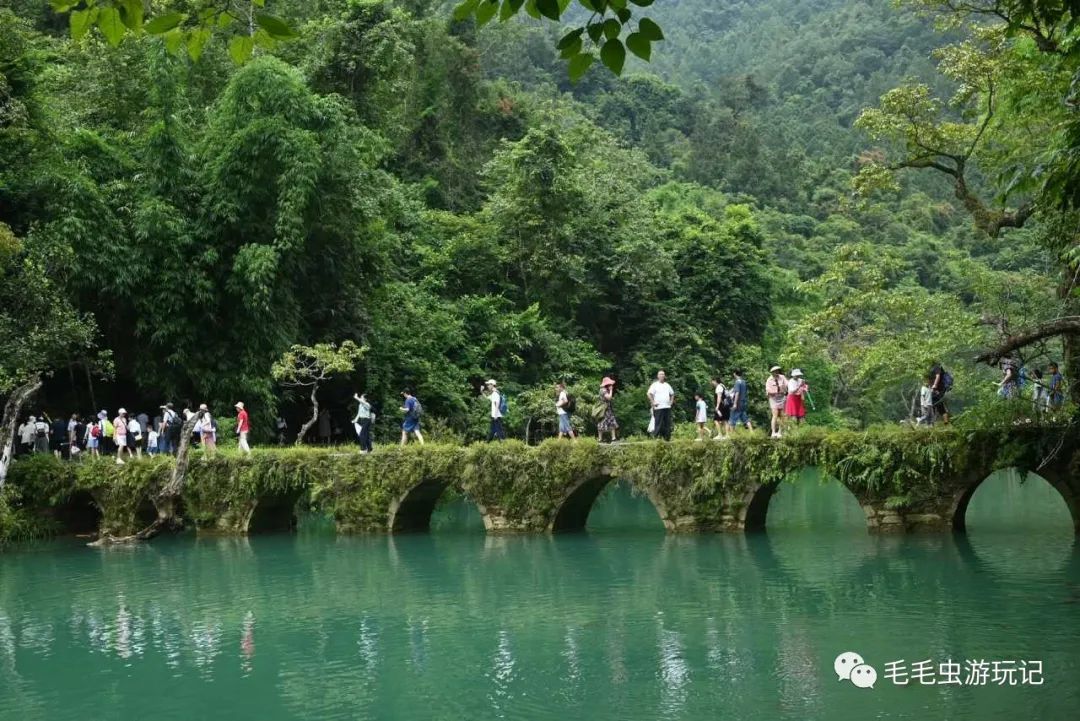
(202,407)
(102,415)
(491,382)
(608,381)
(122,412)
(796,373)
(775,369)
(240,405)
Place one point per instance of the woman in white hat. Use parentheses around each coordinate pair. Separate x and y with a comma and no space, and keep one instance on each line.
(795,406)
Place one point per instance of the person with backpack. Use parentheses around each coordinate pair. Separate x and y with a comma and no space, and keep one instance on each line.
(95,431)
(721,408)
(41,435)
(564,407)
(498,410)
(169,430)
(940,384)
(412,410)
(608,423)
(661,398)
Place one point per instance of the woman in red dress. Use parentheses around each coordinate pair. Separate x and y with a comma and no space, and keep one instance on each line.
(795,407)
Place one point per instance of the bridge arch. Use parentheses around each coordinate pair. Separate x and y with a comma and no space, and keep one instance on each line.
(411,511)
(573,509)
(753,508)
(1057,479)
(274,512)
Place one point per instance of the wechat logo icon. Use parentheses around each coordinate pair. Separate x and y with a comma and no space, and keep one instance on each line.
(850,666)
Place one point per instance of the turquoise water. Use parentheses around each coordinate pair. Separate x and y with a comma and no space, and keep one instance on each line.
(622,622)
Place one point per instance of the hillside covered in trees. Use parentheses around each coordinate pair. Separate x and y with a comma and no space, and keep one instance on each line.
(769,188)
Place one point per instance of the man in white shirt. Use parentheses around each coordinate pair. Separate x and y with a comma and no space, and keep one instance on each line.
(661,398)
(496,431)
(27,435)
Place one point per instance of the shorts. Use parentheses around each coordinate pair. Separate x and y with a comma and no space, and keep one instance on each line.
(411,425)
(777,402)
(722,415)
(564,423)
(939,403)
(739,418)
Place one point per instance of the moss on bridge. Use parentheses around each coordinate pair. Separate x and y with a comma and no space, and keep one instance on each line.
(901,478)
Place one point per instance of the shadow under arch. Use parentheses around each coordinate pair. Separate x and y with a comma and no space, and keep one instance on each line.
(78,515)
(754,509)
(961,501)
(573,511)
(275,512)
(411,511)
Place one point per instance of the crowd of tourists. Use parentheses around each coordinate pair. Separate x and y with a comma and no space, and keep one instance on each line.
(126,434)
(716,412)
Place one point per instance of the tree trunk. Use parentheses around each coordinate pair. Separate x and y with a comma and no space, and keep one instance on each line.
(12,408)
(166,505)
(90,385)
(314,415)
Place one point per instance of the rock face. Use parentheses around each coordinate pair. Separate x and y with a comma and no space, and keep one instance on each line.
(909,482)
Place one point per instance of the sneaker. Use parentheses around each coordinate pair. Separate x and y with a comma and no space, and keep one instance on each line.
(699,440)
(119,462)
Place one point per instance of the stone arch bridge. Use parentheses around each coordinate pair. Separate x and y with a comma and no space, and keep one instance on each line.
(904,480)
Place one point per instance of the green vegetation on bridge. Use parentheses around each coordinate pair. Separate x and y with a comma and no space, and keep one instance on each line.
(903,479)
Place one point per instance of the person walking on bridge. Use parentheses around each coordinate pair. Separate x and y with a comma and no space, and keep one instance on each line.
(661,399)
(362,422)
(243,428)
(411,424)
(564,406)
(607,423)
(776,387)
(498,409)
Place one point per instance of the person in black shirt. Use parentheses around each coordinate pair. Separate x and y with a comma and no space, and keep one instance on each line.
(938,390)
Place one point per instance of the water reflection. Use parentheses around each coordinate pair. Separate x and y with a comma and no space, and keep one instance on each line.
(599,625)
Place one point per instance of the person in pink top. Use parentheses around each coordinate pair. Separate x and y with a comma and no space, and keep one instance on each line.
(776,387)
(243,427)
(120,436)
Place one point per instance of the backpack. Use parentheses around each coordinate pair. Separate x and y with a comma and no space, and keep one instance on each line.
(946,380)
(571,404)
(725,400)
(504,405)
(95,430)
(41,429)
(109,430)
(417,410)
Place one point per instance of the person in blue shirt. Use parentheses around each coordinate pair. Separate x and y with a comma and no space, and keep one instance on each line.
(739,415)
(412,411)
(1056,387)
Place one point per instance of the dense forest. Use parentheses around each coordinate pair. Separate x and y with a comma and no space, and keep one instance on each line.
(850,187)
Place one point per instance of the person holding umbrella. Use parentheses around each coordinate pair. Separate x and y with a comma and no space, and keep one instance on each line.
(607,422)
